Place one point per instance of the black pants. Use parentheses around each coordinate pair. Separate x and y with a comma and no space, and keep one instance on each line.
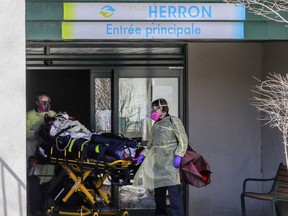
(175,198)
(37,194)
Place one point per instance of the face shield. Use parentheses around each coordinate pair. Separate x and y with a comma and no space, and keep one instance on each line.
(155,115)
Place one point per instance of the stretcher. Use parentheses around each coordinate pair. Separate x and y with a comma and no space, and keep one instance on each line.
(82,193)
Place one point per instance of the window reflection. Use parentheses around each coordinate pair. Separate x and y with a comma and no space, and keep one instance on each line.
(102,105)
(135,97)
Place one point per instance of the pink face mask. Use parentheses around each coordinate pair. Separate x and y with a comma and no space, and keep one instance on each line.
(43,106)
(155,116)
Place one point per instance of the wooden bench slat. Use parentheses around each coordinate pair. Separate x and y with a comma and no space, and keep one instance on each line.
(259,196)
(282,195)
(282,179)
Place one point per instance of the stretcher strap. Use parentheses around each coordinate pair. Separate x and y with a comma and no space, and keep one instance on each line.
(83,144)
(97,149)
(84,149)
(71,144)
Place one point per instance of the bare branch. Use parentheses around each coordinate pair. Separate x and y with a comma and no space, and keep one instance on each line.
(271,100)
(275,10)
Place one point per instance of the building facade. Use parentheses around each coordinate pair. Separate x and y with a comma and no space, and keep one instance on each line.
(205,61)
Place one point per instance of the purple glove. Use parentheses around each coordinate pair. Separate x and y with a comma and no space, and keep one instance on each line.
(177,161)
(140,159)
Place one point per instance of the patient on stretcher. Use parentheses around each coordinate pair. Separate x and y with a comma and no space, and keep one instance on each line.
(69,135)
(85,160)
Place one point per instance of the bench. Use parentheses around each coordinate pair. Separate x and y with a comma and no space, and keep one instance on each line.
(277,193)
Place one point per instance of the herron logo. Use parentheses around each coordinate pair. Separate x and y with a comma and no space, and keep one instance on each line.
(107,11)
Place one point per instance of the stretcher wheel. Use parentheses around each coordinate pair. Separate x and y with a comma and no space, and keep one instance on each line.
(125,213)
(50,211)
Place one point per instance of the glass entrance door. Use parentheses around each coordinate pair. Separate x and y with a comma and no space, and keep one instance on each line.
(135,97)
(121,104)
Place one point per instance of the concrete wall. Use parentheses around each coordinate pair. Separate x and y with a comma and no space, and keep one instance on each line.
(12,109)
(222,123)
(223,126)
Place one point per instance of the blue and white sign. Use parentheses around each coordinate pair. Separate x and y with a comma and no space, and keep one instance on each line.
(153,11)
(152,30)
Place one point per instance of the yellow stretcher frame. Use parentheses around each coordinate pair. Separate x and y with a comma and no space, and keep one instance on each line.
(72,168)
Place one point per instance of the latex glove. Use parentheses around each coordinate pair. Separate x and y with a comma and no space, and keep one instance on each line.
(177,161)
(140,159)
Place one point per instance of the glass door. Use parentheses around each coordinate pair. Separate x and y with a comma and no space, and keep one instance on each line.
(135,97)
(121,104)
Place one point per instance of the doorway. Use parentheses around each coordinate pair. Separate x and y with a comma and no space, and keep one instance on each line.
(67,89)
(120,103)
(114,86)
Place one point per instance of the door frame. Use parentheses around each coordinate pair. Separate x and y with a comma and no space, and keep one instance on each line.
(115,73)
(133,72)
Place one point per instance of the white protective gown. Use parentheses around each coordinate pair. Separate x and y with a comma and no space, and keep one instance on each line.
(168,140)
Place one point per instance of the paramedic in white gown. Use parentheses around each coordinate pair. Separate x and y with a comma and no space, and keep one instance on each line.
(160,169)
